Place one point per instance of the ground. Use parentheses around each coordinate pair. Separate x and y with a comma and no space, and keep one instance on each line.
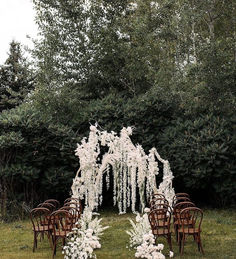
(218,237)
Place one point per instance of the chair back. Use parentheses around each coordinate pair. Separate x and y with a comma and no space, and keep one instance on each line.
(71,199)
(47,205)
(182,194)
(75,212)
(75,204)
(158,219)
(38,218)
(180,206)
(161,206)
(56,203)
(178,199)
(158,201)
(61,222)
(190,220)
(157,195)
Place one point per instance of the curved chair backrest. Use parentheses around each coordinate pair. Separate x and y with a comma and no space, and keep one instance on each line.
(157,195)
(75,204)
(179,199)
(162,206)
(158,219)
(182,194)
(190,220)
(47,205)
(71,199)
(75,212)
(158,201)
(56,203)
(62,222)
(38,218)
(180,206)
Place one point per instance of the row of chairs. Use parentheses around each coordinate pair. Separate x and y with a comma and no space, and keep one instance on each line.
(187,219)
(54,221)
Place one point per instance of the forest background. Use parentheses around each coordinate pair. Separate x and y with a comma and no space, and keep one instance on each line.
(167,68)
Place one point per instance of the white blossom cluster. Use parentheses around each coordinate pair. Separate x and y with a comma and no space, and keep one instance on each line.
(84,238)
(132,169)
(143,240)
(148,249)
(139,229)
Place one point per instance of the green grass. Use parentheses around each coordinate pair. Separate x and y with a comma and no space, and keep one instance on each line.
(218,238)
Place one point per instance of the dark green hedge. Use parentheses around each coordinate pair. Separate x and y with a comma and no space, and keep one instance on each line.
(37,153)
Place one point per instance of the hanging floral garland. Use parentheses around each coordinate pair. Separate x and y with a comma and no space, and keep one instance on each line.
(132,170)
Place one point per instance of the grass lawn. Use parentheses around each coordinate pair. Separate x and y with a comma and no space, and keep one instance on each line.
(218,238)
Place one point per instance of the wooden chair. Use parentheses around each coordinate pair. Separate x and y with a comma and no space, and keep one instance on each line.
(176,214)
(190,224)
(160,221)
(62,222)
(38,218)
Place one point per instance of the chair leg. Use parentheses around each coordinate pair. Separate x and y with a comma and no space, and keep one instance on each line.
(54,248)
(176,232)
(200,243)
(182,245)
(180,236)
(35,242)
(169,241)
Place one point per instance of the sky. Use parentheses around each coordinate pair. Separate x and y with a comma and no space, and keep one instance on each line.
(16,22)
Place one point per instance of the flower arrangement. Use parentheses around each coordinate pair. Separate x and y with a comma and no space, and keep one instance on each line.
(142,239)
(83,240)
(132,169)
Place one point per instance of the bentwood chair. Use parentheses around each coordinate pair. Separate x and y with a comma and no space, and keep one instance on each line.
(176,214)
(38,218)
(160,220)
(190,224)
(62,224)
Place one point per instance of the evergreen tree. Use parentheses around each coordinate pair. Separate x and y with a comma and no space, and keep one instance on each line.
(16,78)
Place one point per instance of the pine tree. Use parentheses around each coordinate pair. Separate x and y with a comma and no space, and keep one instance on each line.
(16,78)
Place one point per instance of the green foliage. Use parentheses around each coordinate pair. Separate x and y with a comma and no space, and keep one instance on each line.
(201,152)
(16,79)
(37,156)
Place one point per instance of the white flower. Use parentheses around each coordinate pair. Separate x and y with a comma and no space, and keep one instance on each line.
(146,210)
(171,254)
(92,128)
(160,247)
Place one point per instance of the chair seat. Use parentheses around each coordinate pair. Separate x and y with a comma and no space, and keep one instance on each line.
(189,231)
(160,231)
(42,228)
(185,222)
(62,233)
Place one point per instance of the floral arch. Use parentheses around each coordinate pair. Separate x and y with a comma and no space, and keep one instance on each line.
(131,167)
